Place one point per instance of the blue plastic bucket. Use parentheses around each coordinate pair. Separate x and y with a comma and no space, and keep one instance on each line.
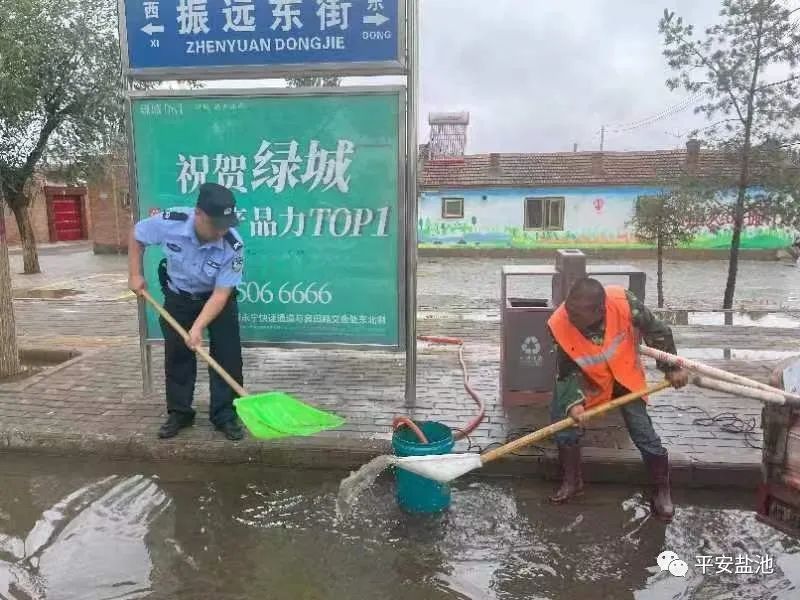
(414,493)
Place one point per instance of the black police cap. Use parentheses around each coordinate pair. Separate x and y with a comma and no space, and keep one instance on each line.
(219,204)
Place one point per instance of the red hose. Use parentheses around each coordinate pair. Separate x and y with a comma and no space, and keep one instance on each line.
(473,424)
(398,421)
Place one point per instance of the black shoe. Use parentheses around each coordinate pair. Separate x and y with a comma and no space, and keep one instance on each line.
(232,430)
(174,424)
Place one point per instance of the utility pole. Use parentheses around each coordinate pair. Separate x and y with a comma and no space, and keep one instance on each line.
(602,138)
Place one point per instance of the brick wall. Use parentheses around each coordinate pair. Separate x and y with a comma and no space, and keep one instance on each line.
(38,212)
(110,210)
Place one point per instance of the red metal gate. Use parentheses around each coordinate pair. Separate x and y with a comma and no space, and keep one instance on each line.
(67,218)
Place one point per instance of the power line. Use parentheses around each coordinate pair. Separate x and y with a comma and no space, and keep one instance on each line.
(668,112)
(651,120)
(647,121)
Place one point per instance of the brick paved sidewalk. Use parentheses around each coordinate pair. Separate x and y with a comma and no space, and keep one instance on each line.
(94,404)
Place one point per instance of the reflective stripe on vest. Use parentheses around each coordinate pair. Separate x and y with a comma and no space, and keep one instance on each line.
(604,356)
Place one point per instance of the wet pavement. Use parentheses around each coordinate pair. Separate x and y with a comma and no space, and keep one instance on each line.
(697,285)
(69,271)
(96,531)
(447,283)
(94,403)
(82,530)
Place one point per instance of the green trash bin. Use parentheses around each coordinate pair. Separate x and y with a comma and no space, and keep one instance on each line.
(414,493)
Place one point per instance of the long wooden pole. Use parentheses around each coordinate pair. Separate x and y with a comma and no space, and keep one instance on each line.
(742,390)
(199,350)
(710,371)
(551,430)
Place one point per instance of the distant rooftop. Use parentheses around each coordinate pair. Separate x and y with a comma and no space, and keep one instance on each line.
(573,168)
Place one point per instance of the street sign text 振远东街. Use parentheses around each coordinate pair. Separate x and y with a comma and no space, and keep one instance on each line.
(216,38)
(317,181)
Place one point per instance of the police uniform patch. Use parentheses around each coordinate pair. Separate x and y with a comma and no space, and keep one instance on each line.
(238,263)
(233,242)
(174,215)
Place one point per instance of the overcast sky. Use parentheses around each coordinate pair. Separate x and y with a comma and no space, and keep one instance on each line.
(539,75)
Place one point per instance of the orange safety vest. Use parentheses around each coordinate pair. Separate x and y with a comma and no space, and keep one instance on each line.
(616,360)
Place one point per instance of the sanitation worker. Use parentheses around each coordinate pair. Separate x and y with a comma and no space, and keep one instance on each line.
(202,268)
(596,332)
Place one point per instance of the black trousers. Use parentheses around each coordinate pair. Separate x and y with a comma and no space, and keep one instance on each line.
(180,363)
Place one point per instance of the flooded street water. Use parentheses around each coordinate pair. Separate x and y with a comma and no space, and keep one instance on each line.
(73,530)
(474,283)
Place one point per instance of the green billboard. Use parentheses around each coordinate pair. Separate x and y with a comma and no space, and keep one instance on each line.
(317,178)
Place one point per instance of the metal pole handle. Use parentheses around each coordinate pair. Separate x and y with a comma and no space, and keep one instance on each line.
(199,350)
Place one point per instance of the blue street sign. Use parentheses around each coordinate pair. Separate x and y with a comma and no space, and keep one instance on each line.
(223,38)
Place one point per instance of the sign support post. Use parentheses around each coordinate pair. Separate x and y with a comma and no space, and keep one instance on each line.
(412,74)
(145,348)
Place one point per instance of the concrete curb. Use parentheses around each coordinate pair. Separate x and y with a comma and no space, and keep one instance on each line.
(601,465)
(47,355)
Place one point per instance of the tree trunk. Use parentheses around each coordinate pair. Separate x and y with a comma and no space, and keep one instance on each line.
(660,271)
(30,257)
(744,174)
(9,353)
(736,240)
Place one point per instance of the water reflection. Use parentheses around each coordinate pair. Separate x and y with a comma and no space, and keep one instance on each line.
(245,533)
(599,547)
(726,535)
(779,320)
(90,544)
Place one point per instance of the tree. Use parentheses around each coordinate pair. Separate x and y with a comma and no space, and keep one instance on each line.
(9,352)
(744,73)
(297,82)
(60,93)
(668,219)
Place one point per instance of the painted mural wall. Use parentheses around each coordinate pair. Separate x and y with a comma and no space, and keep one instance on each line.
(592,217)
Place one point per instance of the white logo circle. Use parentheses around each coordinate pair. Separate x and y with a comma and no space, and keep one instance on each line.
(665,558)
(678,568)
(531,346)
(669,561)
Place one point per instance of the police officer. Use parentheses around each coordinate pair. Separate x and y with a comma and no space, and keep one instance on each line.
(202,268)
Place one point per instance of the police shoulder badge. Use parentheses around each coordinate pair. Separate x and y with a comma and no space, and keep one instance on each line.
(238,263)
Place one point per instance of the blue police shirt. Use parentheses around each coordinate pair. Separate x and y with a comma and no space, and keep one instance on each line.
(193,266)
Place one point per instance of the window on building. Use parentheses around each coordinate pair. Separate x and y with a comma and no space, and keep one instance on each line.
(452,208)
(544,214)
